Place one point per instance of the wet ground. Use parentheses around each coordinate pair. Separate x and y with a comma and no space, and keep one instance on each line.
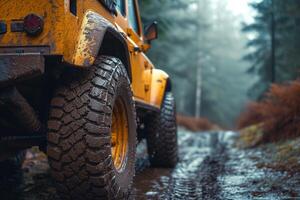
(210,167)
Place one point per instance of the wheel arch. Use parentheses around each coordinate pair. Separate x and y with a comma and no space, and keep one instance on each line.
(98,36)
(168,85)
(114,44)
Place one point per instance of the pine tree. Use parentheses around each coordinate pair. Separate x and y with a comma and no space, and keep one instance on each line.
(280,19)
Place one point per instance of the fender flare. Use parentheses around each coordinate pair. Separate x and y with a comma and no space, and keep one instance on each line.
(160,84)
(94,30)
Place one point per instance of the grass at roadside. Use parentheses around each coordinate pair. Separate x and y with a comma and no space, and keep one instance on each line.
(282,155)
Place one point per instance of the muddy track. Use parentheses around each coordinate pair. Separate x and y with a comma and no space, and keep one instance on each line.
(209,168)
(202,160)
(200,181)
(212,167)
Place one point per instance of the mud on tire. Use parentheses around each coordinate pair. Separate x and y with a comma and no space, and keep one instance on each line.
(161,132)
(79,138)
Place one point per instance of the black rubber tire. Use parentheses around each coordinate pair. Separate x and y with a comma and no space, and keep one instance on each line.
(161,133)
(79,138)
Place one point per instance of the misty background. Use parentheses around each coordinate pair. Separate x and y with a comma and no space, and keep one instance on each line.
(219,52)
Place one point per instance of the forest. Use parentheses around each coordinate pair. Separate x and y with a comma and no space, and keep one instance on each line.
(205,47)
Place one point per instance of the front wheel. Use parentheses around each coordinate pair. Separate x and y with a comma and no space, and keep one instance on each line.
(161,133)
(92,133)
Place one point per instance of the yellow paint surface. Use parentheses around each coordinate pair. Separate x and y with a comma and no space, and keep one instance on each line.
(63,35)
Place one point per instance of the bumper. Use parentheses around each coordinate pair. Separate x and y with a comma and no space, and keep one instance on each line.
(15,68)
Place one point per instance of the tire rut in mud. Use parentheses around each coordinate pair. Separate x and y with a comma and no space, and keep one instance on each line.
(196,176)
(212,168)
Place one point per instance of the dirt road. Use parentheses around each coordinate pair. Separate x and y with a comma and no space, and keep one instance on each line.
(210,167)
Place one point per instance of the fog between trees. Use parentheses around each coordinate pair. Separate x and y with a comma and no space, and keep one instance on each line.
(202,34)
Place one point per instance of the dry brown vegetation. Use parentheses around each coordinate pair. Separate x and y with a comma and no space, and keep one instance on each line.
(251,116)
(195,124)
(278,112)
(284,157)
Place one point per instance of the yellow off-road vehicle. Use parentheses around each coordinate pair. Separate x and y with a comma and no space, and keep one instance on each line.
(74,78)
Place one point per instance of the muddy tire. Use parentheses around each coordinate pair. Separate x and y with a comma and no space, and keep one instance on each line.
(161,131)
(81,150)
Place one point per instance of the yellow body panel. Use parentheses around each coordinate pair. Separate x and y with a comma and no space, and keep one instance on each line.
(64,35)
(158,86)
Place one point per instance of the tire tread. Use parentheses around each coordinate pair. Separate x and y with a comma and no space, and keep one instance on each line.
(79,130)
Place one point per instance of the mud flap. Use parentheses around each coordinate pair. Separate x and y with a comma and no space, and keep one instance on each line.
(14,68)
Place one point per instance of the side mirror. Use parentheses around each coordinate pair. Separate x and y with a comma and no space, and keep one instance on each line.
(151,32)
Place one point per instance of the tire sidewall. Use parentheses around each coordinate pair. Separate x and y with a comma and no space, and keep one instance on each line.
(123,91)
